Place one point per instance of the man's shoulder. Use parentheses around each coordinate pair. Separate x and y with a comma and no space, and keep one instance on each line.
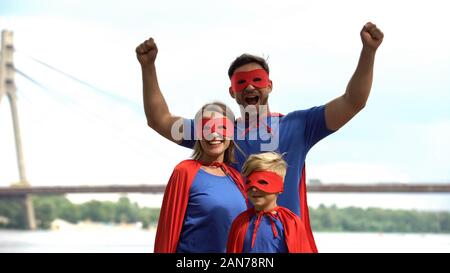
(303,115)
(306,111)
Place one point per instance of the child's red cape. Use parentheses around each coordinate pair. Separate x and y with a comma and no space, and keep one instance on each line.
(175,202)
(294,232)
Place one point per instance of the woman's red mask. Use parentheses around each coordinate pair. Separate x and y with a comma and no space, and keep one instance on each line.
(265,181)
(208,126)
(259,78)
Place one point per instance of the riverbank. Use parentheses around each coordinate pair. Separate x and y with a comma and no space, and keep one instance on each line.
(61,225)
(57,212)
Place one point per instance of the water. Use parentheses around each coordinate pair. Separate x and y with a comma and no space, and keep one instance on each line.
(126,240)
(102,240)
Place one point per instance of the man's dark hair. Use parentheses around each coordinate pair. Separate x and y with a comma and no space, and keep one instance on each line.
(246,59)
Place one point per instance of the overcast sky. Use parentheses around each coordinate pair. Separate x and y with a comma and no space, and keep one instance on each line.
(76,135)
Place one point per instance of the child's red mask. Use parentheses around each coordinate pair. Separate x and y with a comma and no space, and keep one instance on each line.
(208,126)
(258,78)
(265,181)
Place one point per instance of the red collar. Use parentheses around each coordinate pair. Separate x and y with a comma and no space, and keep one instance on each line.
(273,217)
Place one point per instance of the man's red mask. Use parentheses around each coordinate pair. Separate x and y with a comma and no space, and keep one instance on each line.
(208,126)
(265,181)
(259,78)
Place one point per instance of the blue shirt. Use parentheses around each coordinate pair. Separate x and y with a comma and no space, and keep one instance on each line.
(265,241)
(293,134)
(214,202)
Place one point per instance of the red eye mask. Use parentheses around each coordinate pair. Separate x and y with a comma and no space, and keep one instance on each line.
(258,78)
(265,181)
(208,126)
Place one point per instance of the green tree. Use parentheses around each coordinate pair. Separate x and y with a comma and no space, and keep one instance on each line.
(45,211)
(126,212)
(14,212)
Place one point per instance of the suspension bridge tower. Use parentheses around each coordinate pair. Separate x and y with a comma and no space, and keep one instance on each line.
(8,88)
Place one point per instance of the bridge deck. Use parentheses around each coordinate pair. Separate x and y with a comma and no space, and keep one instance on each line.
(361,188)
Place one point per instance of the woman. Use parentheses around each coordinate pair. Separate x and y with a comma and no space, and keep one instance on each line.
(204,194)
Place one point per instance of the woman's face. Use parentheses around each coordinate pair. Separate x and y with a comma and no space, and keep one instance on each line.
(214,144)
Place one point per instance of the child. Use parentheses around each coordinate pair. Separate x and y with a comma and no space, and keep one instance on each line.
(204,194)
(266,228)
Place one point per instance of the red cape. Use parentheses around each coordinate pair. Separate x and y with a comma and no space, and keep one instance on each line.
(175,202)
(295,234)
(304,211)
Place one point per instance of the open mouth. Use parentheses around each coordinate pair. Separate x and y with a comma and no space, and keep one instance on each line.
(251,99)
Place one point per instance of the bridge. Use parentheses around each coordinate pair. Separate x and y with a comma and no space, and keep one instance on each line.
(155,189)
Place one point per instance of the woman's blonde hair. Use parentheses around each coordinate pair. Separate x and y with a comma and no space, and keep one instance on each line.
(268,161)
(224,110)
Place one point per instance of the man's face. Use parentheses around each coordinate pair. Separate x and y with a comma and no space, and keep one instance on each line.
(251,95)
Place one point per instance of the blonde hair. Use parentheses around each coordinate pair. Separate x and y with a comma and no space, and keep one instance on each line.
(268,161)
(223,109)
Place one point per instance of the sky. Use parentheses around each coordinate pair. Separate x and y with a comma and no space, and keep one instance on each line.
(76,135)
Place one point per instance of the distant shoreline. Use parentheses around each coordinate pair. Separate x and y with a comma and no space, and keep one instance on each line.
(57,212)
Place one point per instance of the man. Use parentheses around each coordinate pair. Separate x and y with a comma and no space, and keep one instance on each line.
(259,129)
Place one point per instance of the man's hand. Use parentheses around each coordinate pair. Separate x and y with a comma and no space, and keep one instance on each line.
(146,52)
(371,36)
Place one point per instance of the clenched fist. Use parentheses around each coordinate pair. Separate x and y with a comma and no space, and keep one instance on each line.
(146,52)
(371,36)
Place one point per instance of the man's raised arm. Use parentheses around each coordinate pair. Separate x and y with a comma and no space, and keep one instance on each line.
(342,109)
(157,112)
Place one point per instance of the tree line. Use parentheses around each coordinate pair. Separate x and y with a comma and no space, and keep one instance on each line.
(355,219)
(49,208)
(323,218)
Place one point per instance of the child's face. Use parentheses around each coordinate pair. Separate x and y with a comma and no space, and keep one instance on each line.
(262,200)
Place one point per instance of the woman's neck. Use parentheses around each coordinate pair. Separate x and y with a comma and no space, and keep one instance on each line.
(206,159)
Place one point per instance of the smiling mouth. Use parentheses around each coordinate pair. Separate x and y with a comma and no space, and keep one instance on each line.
(215,142)
(256,196)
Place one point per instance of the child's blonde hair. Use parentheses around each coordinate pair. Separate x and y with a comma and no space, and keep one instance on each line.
(268,161)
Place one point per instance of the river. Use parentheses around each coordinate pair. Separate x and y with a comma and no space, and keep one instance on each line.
(134,240)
